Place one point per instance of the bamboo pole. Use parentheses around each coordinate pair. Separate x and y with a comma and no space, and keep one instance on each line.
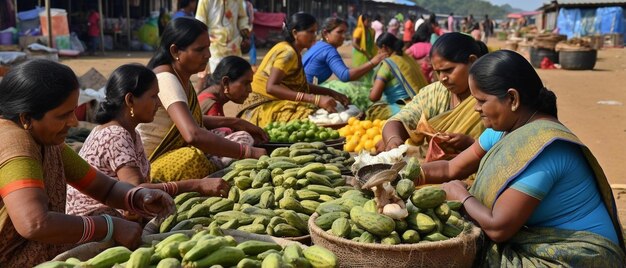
(101,26)
(49,18)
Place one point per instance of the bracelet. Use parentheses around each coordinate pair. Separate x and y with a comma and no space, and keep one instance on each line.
(170,188)
(299,96)
(421,179)
(247,154)
(241,151)
(317,100)
(174,187)
(371,63)
(465,199)
(130,197)
(392,136)
(88,230)
(109,222)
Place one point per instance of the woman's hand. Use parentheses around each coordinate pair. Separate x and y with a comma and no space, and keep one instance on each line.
(343,99)
(455,190)
(393,143)
(379,57)
(126,233)
(257,152)
(158,202)
(259,135)
(456,141)
(213,187)
(328,103)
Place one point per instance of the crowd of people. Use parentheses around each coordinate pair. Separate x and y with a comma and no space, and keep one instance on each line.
(536,191)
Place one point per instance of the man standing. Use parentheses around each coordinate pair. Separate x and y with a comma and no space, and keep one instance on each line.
(408,31)
(228,24)
(451,23)
(93,22)
(487,27)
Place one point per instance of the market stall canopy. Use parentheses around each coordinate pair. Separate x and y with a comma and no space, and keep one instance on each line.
(397,2)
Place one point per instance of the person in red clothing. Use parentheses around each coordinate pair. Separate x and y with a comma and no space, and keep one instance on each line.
(93,21)
(409,30)
(230,82)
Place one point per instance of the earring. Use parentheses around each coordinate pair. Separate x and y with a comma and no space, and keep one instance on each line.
(26,126)
(177,59)
(226,89)
(514,108)
(132,113)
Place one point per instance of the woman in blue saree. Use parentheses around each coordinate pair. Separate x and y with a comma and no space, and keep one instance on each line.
(540,195)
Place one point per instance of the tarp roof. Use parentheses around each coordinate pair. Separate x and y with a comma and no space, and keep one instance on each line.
(397,2)
(589,2)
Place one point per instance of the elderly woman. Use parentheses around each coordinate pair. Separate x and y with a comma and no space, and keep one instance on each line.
(540,195)
(115,147)
(179,142)
(280,90)
(37,103)
(397,79)
(446,105)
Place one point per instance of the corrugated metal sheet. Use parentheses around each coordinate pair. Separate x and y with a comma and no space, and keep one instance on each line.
(590,2)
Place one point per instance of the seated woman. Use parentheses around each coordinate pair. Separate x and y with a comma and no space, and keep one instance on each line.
(364,46)
(323,60)
(37,103)
(115,149)
(540,195)
(178,141)
(397,78)
(447,105)
(229,82)
(420,48)
(280,90)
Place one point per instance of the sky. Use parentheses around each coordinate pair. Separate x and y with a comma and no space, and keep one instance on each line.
(526,5)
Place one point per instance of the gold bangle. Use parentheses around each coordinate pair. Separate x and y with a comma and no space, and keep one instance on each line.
(317,100)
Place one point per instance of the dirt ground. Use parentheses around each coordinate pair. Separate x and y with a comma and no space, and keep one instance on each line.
(602,127)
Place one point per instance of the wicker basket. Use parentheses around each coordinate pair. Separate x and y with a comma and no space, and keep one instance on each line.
(455,252)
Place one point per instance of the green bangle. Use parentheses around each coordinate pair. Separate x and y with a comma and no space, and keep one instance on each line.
(109,222)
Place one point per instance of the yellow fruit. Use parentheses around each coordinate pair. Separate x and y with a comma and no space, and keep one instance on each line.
(372,132)
(359,133)
(369,144)
(377,122)
(366,124)
(358,148)
(350,146)
(378,138)
(373,151)
(351,120)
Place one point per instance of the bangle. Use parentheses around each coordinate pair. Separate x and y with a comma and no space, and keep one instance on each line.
(465,199)
(241,151)
(371,63)
(391,138)
(248,151)
(174,187)
(88,230)
(109,222)
(299,96)
(421,178)
(317,100)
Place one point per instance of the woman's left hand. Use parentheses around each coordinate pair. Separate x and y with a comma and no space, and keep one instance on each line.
(455,190)
(259,135)
(343,99)
(213,187)
(457,141)
(158,202)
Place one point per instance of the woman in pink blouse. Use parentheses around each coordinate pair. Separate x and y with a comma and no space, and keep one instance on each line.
(115,147)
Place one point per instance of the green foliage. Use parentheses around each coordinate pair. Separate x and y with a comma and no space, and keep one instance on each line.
(478,8)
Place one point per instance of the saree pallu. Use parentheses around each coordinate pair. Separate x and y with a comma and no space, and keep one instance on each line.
(367,43)
(546,246)
(405,85)
(260,110)
(173,159)
(15,250)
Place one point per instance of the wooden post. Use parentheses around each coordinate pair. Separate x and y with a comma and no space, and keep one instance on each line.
(128,24)
(49,18)
(101,27)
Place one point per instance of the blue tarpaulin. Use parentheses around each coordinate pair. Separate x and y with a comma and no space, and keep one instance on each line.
(578,22)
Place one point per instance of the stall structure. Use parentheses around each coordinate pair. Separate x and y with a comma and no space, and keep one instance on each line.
(603,20)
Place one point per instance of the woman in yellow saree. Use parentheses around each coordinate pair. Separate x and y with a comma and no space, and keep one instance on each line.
(364,46)
(447,105)
(179,139)
(280,90)
(540,195)
(396,80)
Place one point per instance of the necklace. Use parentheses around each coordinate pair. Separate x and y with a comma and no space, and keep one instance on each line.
(528,120)
(178,75)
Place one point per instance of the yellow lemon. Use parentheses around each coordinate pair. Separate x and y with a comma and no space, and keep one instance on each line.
(373,151)
(351,120)
(377,122)
(349,147)
(372,132)
(377,138)
(359,133)
(369,144)
(366,124)
(358,148)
